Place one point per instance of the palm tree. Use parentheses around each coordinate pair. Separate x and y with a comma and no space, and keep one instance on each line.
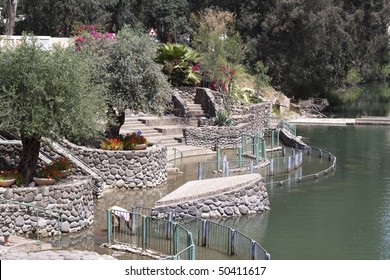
(179,63)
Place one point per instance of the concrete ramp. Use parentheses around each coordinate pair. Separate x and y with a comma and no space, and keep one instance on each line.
(218,197)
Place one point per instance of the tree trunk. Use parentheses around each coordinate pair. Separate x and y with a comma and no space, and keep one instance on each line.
(12,6)
(29,158)
(113,129)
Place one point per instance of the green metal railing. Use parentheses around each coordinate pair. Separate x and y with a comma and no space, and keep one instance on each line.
(40,218)
(165,237)
(288,127)
(176,151)
(223,239)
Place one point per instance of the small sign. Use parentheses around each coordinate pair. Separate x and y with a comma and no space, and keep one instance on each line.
(152,32)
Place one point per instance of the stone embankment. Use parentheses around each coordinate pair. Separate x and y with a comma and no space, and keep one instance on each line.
(218,197)
(73,197)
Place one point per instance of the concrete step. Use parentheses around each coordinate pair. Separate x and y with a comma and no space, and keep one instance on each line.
(165,120)
(169,129)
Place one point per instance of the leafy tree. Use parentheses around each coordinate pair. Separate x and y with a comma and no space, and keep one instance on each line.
(134,80)
(46,95)
(170,18)
(55,18)
(179,63)
(217,41)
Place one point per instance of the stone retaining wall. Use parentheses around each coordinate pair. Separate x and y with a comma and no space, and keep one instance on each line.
(254,118)
(122,169)
(73,196)
(125,169)
(249,199)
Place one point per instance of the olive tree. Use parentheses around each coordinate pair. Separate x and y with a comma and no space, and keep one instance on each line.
(133,79)
(46,94)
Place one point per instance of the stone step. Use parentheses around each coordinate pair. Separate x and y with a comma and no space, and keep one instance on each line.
(169,130)
(159,121)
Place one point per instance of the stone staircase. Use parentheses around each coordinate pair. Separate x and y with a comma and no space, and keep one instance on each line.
(167,131)
(195,111)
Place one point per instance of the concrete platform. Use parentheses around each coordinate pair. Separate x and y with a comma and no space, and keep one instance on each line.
(323,121)
(366,120)
(206,188)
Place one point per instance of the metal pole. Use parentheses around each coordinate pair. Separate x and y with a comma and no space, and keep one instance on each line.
(232,239)
(218,158)
(144,232)
(132,215)
(225,168)
(204,235)
(251,167)
(169,226)
(109,226)
(200,171)
(253,250)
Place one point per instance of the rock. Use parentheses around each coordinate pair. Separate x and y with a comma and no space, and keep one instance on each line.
(229,211)
(193,211)
(243,209)
(65,226)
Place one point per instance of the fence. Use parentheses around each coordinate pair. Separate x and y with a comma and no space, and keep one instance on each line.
(225,168)
(298,177)
(175,238)
(36,219)
(223,239)
(165,238)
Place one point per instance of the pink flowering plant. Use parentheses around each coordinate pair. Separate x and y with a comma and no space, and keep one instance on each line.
(91,34)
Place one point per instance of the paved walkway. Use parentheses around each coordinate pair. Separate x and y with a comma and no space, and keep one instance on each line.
(28,249)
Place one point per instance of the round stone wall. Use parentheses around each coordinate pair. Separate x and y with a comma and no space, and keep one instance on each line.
(72,196)
(126,169)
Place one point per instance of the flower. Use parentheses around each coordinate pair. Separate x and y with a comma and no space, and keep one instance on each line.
(62,164)
(11,174)
(123,142)
(111,144)
(49,172)
(132,140)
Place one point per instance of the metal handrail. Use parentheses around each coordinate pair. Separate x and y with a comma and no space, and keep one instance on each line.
(38,211)
(147,233)
(181,157)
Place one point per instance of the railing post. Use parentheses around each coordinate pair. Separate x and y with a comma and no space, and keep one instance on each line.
(240,155)
(191,252)
(264,149)
(109,226)
(271,167)
(251,167)
(144,232)
(225,166)
(232,240)
(204,232)
(169,226)
(253,250)
(175,239)
(218,158)
(133,217)
(200,170)
(289,164)
(272,139)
